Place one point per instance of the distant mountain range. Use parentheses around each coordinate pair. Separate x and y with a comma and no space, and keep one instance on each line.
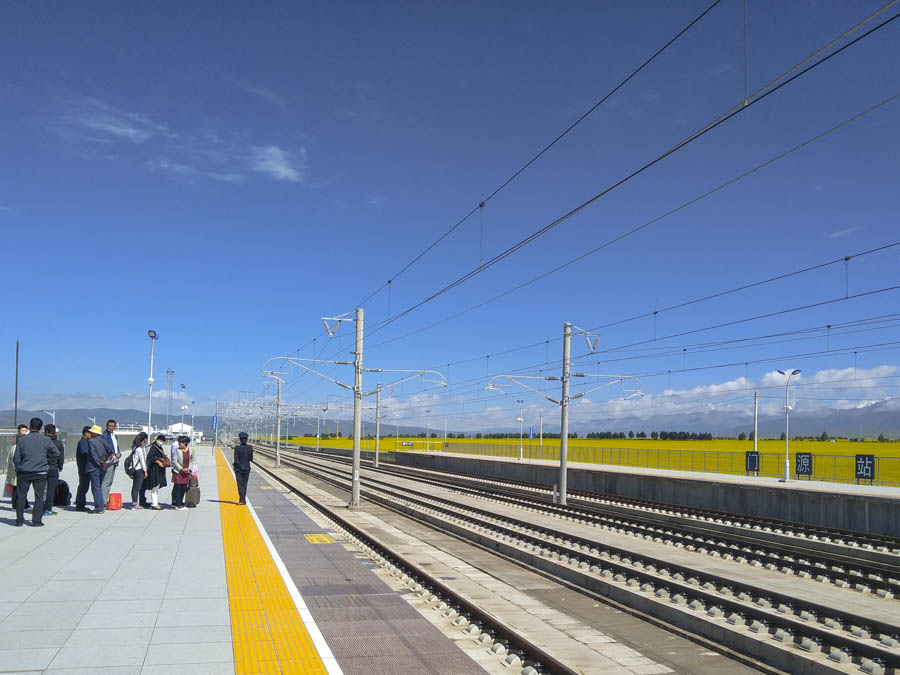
(868,421)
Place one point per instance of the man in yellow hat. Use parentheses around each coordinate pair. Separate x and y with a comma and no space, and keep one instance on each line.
(88,454)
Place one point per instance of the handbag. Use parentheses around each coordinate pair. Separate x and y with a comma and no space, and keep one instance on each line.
(107,460)
(164,462)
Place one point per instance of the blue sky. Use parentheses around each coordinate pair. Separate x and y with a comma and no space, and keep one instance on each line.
(228,175)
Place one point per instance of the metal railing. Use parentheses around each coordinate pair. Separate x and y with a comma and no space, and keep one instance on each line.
(833,468)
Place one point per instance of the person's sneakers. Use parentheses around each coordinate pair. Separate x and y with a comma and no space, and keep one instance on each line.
(81,508)
(97,512)
(37,524)
(180,508)
(49,512)
(156,508)
(242,503)
(20,523)
(137,507)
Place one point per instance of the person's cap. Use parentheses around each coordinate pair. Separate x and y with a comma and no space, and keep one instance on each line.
(96,430)
(161,437)
(243,436)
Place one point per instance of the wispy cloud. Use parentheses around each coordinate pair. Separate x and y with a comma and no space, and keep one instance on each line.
(106,123)
(280,164)
(5,209)
(842,233)
(263,93)
(190,171)
(376,201)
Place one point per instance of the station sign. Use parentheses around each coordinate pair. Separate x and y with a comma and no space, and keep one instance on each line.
(531,433)
(803,464)
(215,422)
(751,461)
(865,467)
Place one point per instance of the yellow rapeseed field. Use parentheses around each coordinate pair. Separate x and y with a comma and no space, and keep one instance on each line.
(832,460)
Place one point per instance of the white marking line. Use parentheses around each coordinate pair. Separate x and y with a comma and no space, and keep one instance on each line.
(328,659)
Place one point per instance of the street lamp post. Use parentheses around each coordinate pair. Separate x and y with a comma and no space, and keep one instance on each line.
(787,414)
(192,417)
(427,430)
(521,420)
(152,334)
(182,408)
(52,414)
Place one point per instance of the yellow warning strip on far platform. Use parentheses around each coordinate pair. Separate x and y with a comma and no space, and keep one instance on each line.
(268,633)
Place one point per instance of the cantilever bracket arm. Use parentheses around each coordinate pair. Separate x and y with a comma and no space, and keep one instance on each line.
(495,385)
(441,380)
(299,363)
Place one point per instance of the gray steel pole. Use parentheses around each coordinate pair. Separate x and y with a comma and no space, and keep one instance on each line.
(377,421)
(317,433)
(564,413)
(150,383)
(357,406)
(541,439)
(787,435)
(755,419)
(216,430)
(278,425)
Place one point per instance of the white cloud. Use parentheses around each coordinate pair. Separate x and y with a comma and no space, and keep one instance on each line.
(5,209)
(190,171)
(280,164)
(838,234)
(376,201)
(107,123)
(263,93)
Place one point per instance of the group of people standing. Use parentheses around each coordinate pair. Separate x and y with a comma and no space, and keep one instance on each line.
(146,466)
(38,458)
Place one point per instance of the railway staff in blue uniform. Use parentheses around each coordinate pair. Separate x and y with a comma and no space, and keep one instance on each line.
(243,455)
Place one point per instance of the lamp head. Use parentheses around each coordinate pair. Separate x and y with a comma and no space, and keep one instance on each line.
(781,372)
(796,372)
(152,334)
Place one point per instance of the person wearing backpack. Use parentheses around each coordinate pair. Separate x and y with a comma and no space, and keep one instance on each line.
(53,469)
(136,468)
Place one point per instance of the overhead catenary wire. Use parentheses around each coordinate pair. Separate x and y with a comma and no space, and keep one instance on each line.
(761,94)
(481,204)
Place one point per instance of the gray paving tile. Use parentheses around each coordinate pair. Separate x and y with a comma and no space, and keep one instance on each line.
(173,635)
(91,656)
(179,669)
(23,660)
(138,637)
(48,621)
(113,670)
(121,619)
(188,617)
(200,653)
(33,639)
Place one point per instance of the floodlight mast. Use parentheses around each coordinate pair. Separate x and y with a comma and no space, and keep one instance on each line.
(498,381)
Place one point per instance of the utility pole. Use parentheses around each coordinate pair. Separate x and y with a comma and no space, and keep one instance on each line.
(152,335)
(377,421)
(445,433)
(755,418)
(16,403)
(357,405)
(170,374)
(216,430)
(564,412)
(541,440)
(182,408)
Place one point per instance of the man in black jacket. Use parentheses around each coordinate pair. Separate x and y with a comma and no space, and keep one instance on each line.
(243,455)
(32,458)
(53,469)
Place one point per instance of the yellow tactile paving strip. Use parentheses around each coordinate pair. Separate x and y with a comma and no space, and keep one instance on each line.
(268,633)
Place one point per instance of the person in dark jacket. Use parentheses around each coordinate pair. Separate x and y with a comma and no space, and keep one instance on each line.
(243,455)
(11,470)
(33,455)
(53,469)
(156,473)
(90,450)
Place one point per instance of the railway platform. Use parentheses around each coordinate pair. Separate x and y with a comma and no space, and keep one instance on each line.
(220,588)
(873,509)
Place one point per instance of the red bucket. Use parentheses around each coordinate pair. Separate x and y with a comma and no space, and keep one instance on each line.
(115,501)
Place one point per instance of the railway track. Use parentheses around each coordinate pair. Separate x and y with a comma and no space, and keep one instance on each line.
(770,622)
